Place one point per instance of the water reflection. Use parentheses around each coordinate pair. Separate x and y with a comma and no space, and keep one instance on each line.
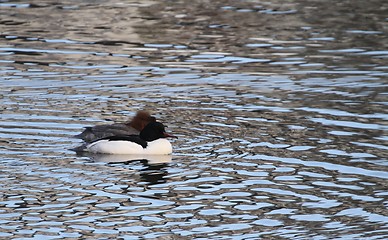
(154,170)
(281,109)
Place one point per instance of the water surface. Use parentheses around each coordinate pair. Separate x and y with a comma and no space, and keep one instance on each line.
(280,109)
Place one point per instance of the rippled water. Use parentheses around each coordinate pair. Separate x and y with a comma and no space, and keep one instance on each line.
(280,108)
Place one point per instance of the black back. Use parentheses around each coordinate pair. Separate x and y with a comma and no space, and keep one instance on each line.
(131,138)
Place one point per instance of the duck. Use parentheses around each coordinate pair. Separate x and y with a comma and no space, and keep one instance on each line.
(133,127)
(151,141)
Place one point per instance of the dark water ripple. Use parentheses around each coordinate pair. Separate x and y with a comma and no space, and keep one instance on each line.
(280,109)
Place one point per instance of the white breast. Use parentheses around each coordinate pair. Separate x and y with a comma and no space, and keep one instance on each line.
(157,147)
(160,146)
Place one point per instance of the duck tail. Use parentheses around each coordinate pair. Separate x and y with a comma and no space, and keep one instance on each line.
(79,149)
(88,131)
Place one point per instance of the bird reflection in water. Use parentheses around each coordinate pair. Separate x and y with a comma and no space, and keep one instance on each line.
(154,170)
(153,173)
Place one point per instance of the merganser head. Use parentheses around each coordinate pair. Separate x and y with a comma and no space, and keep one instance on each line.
(153,131)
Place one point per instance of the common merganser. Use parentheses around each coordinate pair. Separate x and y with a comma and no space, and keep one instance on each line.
(151,141)
(132,127)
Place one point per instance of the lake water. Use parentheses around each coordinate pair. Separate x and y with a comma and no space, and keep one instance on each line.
(280,108)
